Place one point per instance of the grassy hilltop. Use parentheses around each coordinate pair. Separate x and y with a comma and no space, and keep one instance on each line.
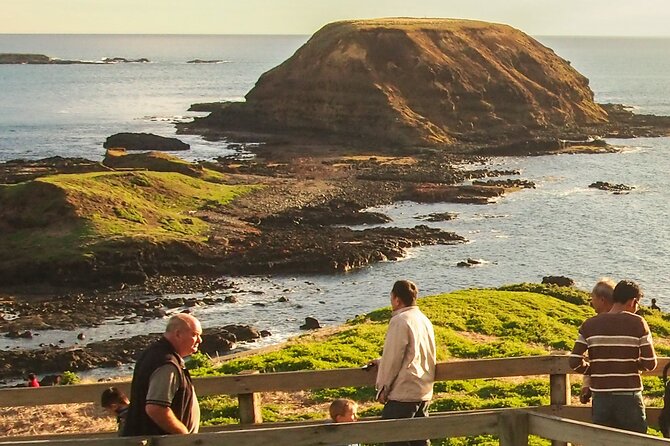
(57,221)
(519,320)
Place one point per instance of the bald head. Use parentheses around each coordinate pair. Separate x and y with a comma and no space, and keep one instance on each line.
(184,331)
(180,321)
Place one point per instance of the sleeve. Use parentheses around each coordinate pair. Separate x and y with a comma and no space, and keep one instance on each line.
(395,346)
(648,359)
(578,360)
(163,385)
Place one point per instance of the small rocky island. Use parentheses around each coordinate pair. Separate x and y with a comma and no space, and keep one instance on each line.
(41,59)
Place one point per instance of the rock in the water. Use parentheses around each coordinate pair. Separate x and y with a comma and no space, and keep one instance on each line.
(310,324)
(144,141)
(558,280)
(616,188)
(469,263)
(415,82)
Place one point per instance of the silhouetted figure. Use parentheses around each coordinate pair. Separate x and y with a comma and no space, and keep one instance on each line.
(116,403)
(32,380)
(654,306)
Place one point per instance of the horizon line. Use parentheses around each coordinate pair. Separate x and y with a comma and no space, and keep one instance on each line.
(301,35)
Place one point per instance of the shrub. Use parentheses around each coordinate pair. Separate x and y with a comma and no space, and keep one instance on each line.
(70,378)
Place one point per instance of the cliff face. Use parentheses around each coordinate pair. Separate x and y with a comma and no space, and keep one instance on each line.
(416,82)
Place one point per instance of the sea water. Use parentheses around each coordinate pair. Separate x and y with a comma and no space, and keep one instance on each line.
(562,227)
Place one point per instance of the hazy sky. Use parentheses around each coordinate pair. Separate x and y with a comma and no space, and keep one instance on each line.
(536,17)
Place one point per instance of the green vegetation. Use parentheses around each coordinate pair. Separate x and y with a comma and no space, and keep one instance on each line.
(69,378)
(72,216)
(517,320)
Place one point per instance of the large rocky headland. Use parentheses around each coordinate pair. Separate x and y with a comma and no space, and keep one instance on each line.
(461,85)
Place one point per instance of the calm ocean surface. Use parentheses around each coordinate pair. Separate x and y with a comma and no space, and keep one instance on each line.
(560,228)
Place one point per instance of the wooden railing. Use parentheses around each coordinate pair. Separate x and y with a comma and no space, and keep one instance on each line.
(247,386)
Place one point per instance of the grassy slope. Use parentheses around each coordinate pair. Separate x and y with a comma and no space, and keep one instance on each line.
(96,207)
(479,323)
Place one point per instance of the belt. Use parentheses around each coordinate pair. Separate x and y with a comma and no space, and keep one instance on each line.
(631,393)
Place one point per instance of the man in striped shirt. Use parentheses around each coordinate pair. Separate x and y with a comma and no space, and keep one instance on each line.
(619,346)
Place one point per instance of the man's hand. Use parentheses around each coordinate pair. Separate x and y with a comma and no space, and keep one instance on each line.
(371,365)
(383,395)
(585,395)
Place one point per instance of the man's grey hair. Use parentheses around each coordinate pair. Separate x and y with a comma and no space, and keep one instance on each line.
(604,288)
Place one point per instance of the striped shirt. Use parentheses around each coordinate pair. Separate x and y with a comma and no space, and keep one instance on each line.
(619,346)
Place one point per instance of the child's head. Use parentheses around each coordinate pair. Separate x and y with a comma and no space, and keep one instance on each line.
(343,410)
(113,399)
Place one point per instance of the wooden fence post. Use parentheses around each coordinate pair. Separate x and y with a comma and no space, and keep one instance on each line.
(513,428)
(249,404)
(559,395)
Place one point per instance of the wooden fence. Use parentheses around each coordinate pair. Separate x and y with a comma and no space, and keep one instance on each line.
(511,425)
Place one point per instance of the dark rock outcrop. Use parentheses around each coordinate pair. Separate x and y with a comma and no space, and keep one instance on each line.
(616,188)
(205,61)
(415,82)
(558,280)
(124,60)
(112,352)
(14,58)
(311,323)
(144,141)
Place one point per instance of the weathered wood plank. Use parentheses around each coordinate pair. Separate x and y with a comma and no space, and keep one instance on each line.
(303,380)
(457,425)
(513,428)
(566,430)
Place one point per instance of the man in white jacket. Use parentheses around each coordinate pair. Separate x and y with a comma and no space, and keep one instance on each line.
(406,370)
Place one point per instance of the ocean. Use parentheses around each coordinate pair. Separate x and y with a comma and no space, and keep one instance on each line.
(560,228)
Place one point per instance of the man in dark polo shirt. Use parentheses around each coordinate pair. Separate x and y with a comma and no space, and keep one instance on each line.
(619,347)
(162,398)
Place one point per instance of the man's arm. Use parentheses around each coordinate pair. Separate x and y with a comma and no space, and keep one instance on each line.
(395,346)
(648,359)
(163,385)
(165,419)
(578,360)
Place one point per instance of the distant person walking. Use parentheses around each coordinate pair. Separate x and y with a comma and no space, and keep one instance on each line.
(162,397)
(619,346)
(406,370)
(32,380)
(601,301)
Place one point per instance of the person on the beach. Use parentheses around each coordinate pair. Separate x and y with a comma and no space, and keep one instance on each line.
(601,301)
(162,397)
(116,403)
(32,380)
(619,346)
(406,370)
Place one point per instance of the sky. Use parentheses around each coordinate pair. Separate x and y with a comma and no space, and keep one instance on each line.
(645,18)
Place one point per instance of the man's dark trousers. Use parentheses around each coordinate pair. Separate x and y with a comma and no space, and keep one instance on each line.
(399,409)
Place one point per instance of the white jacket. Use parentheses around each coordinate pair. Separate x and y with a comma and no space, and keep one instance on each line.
(406,371)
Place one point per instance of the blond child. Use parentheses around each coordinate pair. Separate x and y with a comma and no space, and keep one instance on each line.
(343,410)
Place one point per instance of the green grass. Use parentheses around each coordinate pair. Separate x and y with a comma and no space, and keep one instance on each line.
(476,323)
(74,215)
